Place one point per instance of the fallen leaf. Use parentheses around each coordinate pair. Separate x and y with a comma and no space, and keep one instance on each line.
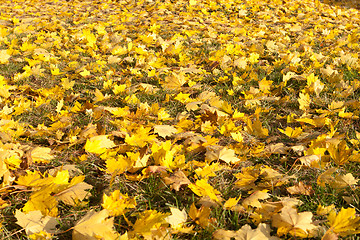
(345,222)
(95,226)
(246,233)
(35,222)
(74,194)
(253,199)
(200,216)
(300,189)
(165,130)
(99,144)
(41,155)
(296,224)
(176,180)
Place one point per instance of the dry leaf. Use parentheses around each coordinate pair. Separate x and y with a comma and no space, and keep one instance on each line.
(165,130)
(95,226)
(300,189)
(177,180)
(253,199)
(35,222)
(74,194)
(246,233)
(296,224)
(41,155)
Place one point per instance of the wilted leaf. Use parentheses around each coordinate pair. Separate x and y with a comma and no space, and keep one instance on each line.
(177,180)
(300,189)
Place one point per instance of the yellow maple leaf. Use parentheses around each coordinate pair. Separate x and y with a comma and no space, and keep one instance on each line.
(265,85)
(192,2)
(208,127)
(42,201)
(208,171)
(214,153)
(345,222)
(31,179)
(66,84)
(98,96)
(254,58)
(175,81)
(4,56)
(41,154)
(99,144)
(228,156)
(141,137)
(203,188)
(90,38)
(304,101)
(137,161)
(245,233)
(294,223)
(255,128)
(35,222)
(292,133)
(177,219)
(74,193)
(300,188)
(113,59)
(56,71)
(118,203)
(59,105)
(253,199)
(237,136)
(117,89)
(61,177)
(148,221)
(231,202)
(340,152)
(85,73)
(118,165)
(94,226)
(200,216)
(247,177)
(324,210)
(336,180)
(164,130)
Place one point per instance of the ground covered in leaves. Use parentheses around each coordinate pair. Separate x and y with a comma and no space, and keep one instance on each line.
(179,119)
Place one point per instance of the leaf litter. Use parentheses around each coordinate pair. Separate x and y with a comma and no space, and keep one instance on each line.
(240,108)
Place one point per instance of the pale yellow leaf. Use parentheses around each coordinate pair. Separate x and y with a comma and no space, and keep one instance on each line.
(41,155)
(35,222)
(95,226)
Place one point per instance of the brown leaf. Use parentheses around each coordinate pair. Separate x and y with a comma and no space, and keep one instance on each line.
(177,180)
(300,188)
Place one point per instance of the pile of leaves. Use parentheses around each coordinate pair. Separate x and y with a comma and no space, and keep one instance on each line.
(179,119)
